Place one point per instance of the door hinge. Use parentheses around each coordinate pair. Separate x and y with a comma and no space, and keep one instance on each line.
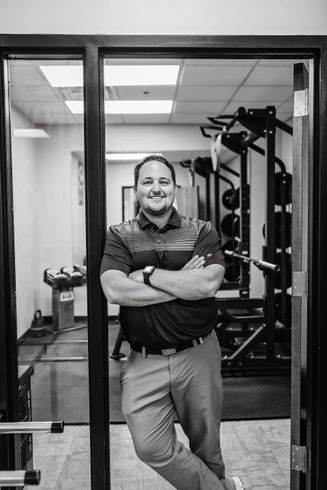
(300,286)
(301,103)
(299,458)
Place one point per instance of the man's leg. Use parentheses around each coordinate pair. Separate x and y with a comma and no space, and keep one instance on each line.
(197,394)
(149,413)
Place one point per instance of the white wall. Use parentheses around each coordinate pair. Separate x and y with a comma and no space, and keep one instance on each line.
(26,197)
(168,17)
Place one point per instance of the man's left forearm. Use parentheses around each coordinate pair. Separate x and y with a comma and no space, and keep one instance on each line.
(189,284)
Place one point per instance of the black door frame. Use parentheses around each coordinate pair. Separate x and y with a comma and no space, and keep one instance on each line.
(93,48)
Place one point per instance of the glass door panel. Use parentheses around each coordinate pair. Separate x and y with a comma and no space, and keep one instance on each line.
(47,137)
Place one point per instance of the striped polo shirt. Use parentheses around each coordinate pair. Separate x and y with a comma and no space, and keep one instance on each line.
(138,242)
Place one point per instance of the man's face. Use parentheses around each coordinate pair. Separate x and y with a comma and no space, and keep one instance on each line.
(155,191)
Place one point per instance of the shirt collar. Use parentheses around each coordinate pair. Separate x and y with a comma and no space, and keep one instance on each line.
(174,219)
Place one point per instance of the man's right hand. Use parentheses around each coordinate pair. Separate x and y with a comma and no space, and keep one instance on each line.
(196,262)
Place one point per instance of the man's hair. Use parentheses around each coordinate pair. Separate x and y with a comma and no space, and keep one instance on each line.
(150,158)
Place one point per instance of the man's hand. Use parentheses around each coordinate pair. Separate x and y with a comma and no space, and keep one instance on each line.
(196,262)
(136,275)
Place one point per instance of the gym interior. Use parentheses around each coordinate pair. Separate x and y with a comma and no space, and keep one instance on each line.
(241,130)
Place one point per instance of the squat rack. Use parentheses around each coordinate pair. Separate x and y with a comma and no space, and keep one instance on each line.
(260,123)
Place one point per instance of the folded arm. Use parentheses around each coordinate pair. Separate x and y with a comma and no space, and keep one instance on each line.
(131,291)
(120,289)
(189,284)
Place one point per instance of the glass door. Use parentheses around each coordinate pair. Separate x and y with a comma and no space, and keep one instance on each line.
(47,151)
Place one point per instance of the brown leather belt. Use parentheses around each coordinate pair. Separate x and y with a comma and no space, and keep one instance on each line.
(168,351)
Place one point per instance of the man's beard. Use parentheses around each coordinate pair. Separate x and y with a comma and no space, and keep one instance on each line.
(159,212)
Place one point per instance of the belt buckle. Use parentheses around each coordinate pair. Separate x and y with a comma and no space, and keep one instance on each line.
(168,352)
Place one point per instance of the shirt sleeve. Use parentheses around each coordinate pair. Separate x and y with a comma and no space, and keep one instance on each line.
(209,245)
(116,255)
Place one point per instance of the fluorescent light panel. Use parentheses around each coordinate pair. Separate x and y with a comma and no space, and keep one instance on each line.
(126,106)
(115,75)
(115,157)
(136,75)
(30,133)
(63,76)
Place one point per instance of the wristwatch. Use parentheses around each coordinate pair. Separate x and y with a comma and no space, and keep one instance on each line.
(147,271)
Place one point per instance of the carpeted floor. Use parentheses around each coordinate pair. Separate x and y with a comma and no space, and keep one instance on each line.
(258,451)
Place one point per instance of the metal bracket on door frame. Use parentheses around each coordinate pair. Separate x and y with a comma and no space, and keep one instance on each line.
(299,458)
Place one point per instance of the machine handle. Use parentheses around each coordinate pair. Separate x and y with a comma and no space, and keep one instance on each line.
(19,478)
(31,427)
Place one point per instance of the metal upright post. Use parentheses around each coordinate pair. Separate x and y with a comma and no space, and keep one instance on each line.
(270,232)
(244,246)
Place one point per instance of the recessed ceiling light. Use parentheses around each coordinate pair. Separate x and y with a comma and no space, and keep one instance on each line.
(30,133)
(126,106)
(127,75)
(115,75)
(115,157)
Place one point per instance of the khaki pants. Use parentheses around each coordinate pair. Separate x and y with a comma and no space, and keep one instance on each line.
(190,383)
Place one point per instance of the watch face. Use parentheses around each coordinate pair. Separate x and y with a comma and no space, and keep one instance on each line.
(148,269)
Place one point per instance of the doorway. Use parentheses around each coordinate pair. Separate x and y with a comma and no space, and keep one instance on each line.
(93,114)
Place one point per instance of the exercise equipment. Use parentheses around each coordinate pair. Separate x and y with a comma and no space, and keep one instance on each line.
(281,229)
(261,264)
(231,198)
(30,427)
(230,225)
(262,123)
(285,318)
(63,283)
(284,273)
(19,478)
(38,326)
(232,269)
(283,179)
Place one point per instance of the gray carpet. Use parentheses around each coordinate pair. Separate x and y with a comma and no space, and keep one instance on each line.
(258,451)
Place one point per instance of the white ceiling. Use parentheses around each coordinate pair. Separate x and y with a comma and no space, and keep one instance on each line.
(205,87)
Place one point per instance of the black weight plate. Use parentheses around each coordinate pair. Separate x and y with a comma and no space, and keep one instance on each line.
(231,199)
(230,225)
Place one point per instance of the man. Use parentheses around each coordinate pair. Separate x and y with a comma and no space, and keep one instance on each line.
(164,270)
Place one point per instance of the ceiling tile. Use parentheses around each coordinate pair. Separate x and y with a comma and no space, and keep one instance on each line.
(198,119)
(25,75)
(271,75)
(214,75)
(26,94)
(205,93)
(253,104)
(137,93)
(278,94)
(199,107)
(146,118)
(52,119)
